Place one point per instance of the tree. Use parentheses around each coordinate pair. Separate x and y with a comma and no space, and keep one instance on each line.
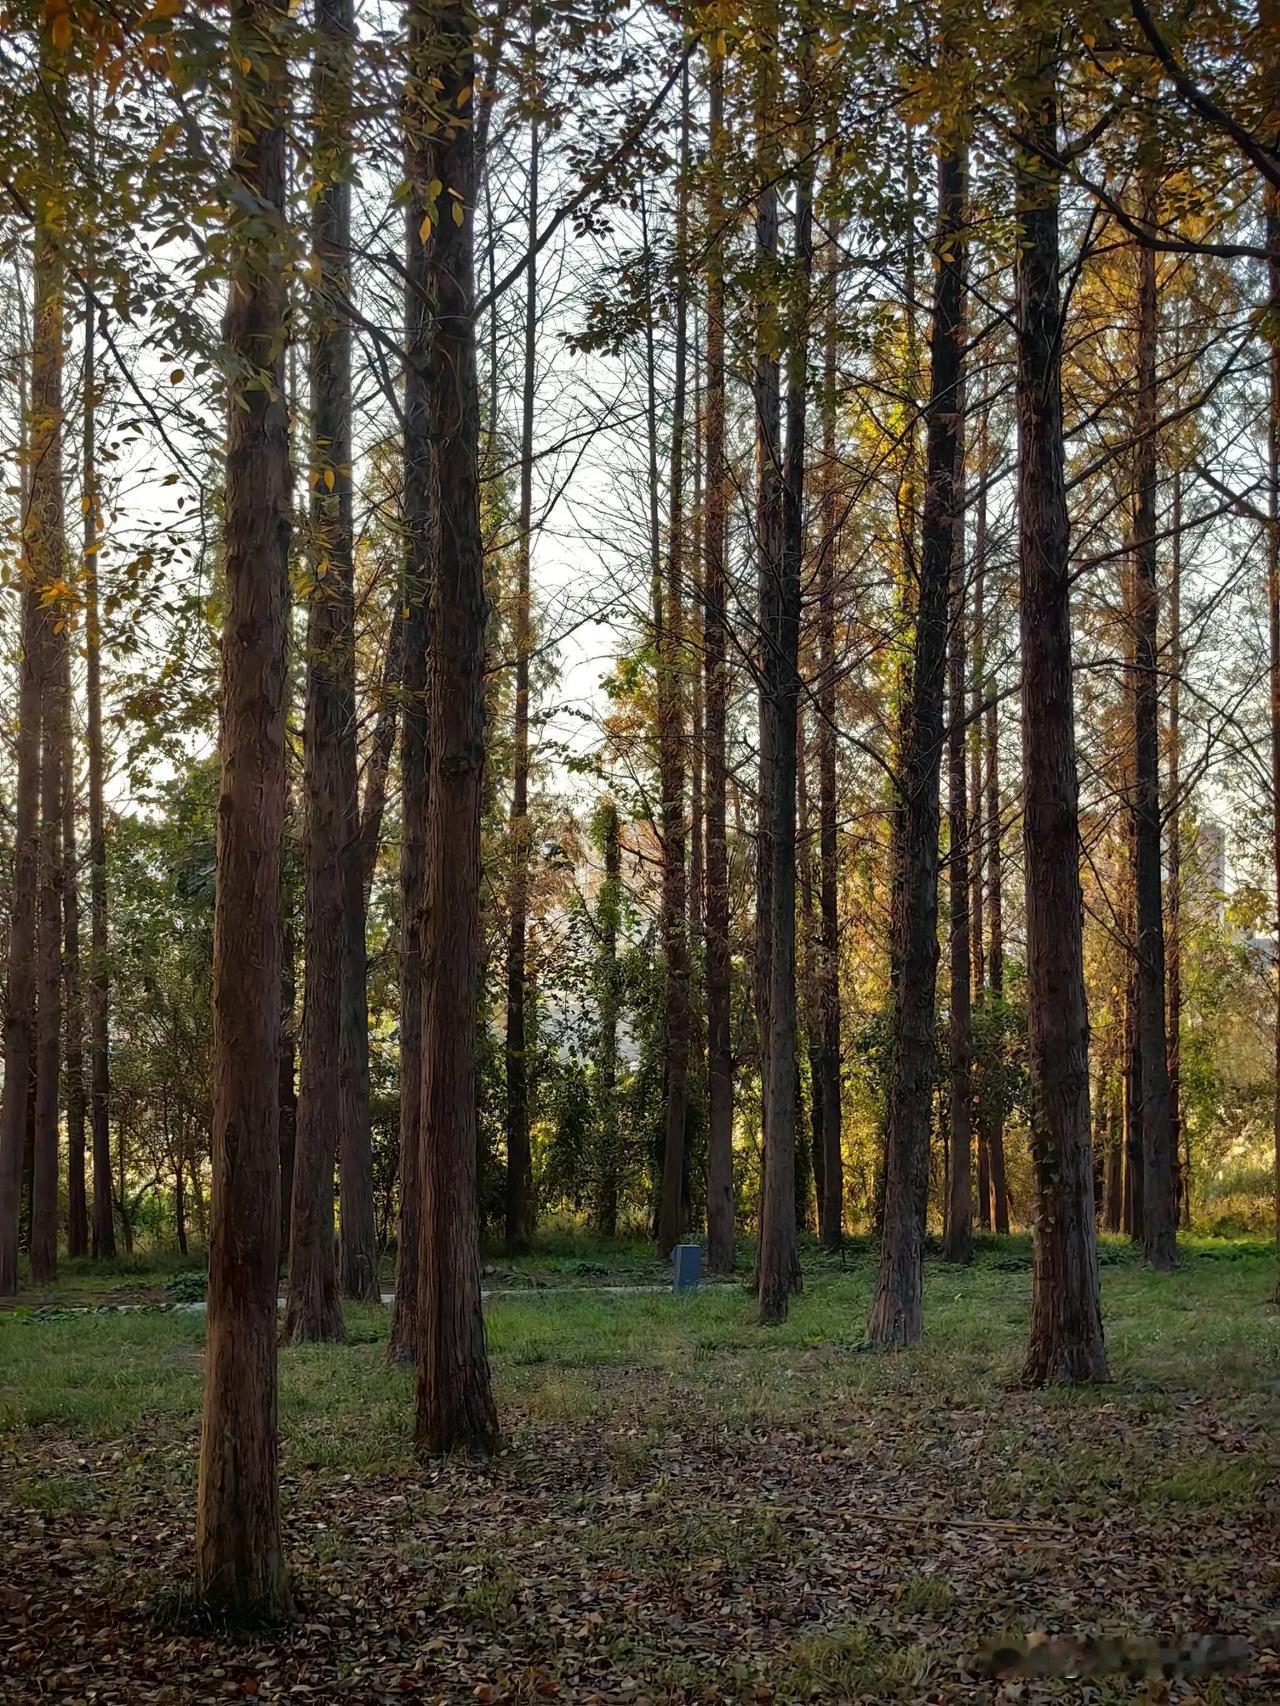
(329,1091)
(454,1399)
(671,766)
(720,1216)
(1066,1314)
(240,1563)
(778,1265)
(896,1312)
(519,1159)
(1159,1225)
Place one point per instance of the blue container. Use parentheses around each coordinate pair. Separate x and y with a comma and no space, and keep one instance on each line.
(686,1262)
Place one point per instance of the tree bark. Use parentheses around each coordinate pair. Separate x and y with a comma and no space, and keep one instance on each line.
(993,1107)
(378,765)
(240,1566)
(104,1236)
(958,1242)
(454,1399)
(77,1203)
(896,1311)
(1173,888)
(415,751)
(778,1267)
(1159,1201)
(671,737)
(1066,1341)
(47,553)
(610,998)
(20,1006)
(329,1069)
(831,1206)
(720,1197)
(519,1157)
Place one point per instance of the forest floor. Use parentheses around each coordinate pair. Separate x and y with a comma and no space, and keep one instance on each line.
(687,1507)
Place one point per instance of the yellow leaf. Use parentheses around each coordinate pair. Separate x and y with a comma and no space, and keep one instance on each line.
(434,188)
(424,230)
(328,479)
(86,504)
(464,94)
(60,32)
(459,213)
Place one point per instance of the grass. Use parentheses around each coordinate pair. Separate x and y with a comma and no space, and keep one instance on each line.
(687,1496)
(591,1355)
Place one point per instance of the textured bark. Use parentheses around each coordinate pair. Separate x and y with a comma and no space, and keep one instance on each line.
(720,1204)
(827,1092)
(1066,1317)
(47,553)
(77,1202)
(329,1067)
(778,1267)
(609,995)
(958,1240)
(414,756)
(977,910)
(1273,601)
(454,1398)
(378,765)
(104,1236)
(1159,1201)
(519,1157)
(671,761)
(20,1007)
(240,1566)
(993,1110)
(1173,887)
(896,1312)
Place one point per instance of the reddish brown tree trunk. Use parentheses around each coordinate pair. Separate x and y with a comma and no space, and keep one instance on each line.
(1066,1316)
(831,1204)
(47,554)
(77,1202)
(519,1156)
(1173,888)
(958,1242)
(454,1399)
(720,1215)
(240,1566)
(993,1107)
(329,1087)
(414,756)
(896,1311)
(1160,1221)
(778,1267)
(670,711)
(104,1236)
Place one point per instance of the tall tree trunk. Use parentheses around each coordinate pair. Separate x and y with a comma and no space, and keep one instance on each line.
(1159,1200)
(329,1070)
(831,1206)
(993,1104)
(811,948)
(47,553)
(720,1216)
(958,1244)
(519,1158)
(454,1399)
(1066,1315)
(414,763)
(104,1236)
(896,1311)
(610,999)
(778,1268)
(670,709)
(1272,13)
(1173,887)
(20,1006)
(977,677)
(240,1565)
(77,1204)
